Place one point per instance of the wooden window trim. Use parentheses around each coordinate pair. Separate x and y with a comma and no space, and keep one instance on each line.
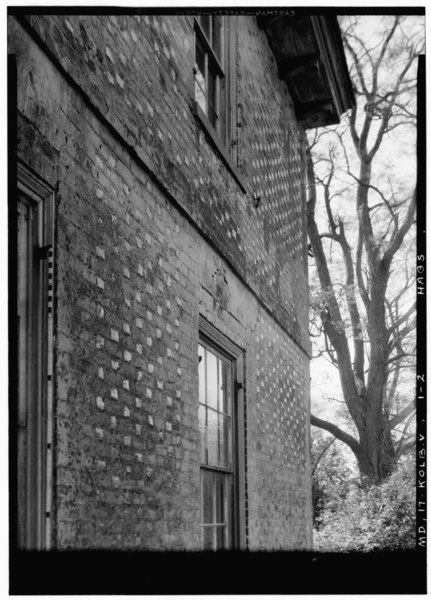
(206,43)
(225,150)
(216,468)
(38,497)
(31,185)
(214,338)
(219,146)
(218,339)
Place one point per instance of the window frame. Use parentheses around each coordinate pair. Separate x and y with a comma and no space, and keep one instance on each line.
(221,346)
(34,403)
(226,69)
(221,70)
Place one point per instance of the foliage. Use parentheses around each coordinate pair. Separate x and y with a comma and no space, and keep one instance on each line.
(378,517)
(332,477)
(362,304)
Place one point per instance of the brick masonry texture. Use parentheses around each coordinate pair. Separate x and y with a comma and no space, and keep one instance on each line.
(133,274)
(138,71)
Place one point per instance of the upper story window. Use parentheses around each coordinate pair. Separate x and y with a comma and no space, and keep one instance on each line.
(212,73)
(215,87)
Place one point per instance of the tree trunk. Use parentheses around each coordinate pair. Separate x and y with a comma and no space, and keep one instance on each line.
(376,453)
(379,324)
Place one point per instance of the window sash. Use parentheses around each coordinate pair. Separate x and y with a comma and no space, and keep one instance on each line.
(217,510)
(211,78)
(215,408)
(216,60)
(233,474)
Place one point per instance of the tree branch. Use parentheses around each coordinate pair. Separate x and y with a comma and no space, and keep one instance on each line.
(385,45)
(336,432)
(400,234)
(359,275)
(321,455)
(403,447)
(402,333)
(403,414)
(388,110)
(357,63)
(402,443)
(401,320)
(352,124)
(331,316)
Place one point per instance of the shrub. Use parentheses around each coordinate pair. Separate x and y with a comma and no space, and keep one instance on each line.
(380,517)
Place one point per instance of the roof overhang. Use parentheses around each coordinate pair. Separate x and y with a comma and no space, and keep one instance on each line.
(310,57)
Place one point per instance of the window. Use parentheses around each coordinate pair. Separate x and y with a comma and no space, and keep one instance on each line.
(220,427)
(215,88)
(33,403)
(213,70)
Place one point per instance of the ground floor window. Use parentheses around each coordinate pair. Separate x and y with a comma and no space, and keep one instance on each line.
(33,401)
(220,427)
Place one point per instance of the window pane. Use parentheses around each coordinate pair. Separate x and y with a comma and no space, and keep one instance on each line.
(200,85)
(228,436)
(222,440)
(208,535)
(222,110)
(212,438)
(211,380)
(216,36)
(212,97)
(220,537)
(229,512)
(225,381)
(201,355)
(220,497)
(220,365)
(225,441)
(202,433)
(205,24)
(227,538)
(216,508)
(200,57)
(207,483)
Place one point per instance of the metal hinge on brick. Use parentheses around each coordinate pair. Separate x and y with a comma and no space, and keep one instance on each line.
(41,252)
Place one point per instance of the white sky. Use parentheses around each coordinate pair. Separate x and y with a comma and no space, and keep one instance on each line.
(400,158)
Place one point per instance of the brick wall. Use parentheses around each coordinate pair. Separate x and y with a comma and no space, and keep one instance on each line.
(147,215)
(278,515)
(138,71)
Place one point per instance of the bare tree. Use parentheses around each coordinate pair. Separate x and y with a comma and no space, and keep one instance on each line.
(367,321)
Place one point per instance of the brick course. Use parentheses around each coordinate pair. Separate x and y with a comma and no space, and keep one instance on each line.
(153,114)
(149,222)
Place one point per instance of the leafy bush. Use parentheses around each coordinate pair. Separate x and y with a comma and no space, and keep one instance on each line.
(380,517)
(332,477)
